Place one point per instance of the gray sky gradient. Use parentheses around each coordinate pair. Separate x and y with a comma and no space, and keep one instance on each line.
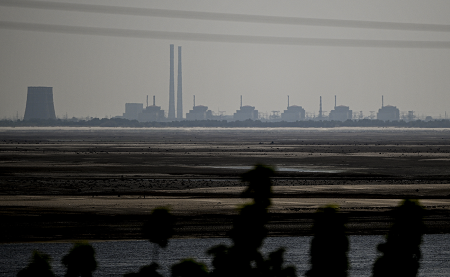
(405,57)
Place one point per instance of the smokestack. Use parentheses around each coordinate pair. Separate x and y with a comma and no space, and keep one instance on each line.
(40,103)
(382,101)
(179,88)
(288,101)
(194,100)
(241,101)
(154,102)
(171,87)
(335,101)
(320,108)
(147,100)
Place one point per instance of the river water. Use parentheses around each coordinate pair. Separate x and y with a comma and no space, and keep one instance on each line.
(116,258)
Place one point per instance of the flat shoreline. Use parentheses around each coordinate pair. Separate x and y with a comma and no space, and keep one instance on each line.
(101,183)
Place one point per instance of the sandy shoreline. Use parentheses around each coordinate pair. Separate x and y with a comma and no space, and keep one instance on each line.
(90,184)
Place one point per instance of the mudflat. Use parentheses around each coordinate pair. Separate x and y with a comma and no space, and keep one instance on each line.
(101,183)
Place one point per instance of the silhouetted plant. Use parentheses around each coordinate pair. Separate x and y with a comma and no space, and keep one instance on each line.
(329,246)
(147,271)
(80,261)
(159,229)
(401,251)
(273,266)
(243,257)
(39,266)
(189,268)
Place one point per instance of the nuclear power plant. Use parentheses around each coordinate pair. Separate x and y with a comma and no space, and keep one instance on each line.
(136,111)
(39,103)
(40,106)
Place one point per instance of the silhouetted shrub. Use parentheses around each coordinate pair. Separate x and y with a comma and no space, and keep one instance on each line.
(243,257)
(273,266)
(329,246)
(401,251)
(159,229)
(146,271)
(80,261)
(189,268)
(39,266)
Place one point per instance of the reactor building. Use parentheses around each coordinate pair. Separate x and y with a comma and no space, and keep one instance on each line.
(340,113)
(388,112)
(245,112)
(293,113)
(199,112)
(39,103)
(151,113)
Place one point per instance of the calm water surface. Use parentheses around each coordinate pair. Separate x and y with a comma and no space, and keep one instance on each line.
(118,258)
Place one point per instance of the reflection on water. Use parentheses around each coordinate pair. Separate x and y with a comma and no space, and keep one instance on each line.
(117,258)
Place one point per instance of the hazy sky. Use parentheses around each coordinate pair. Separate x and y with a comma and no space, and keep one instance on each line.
(96,75)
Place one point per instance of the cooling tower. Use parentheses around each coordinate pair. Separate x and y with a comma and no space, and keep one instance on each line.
(40,103)
(179,88)
(171,87)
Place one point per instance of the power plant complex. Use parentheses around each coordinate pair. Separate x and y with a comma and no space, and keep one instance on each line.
(40,106)
(136,111)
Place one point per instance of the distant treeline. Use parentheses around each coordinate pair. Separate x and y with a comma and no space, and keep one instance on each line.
(120,122)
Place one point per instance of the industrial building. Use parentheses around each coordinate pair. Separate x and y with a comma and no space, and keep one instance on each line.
(293,113)
(132,110)
(39,103)
(246,112)
(151,113)
(340,113)
(388,112)
(199,112)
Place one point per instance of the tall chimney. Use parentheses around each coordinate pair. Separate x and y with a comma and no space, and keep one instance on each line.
(147,100)
(194,100)
(241,101)
(382,101)
(171,87)
(335,101)
(179,88)
(288,101)
(154,100)
(320,108)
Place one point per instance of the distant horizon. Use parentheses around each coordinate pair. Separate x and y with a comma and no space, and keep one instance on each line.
(261,50)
